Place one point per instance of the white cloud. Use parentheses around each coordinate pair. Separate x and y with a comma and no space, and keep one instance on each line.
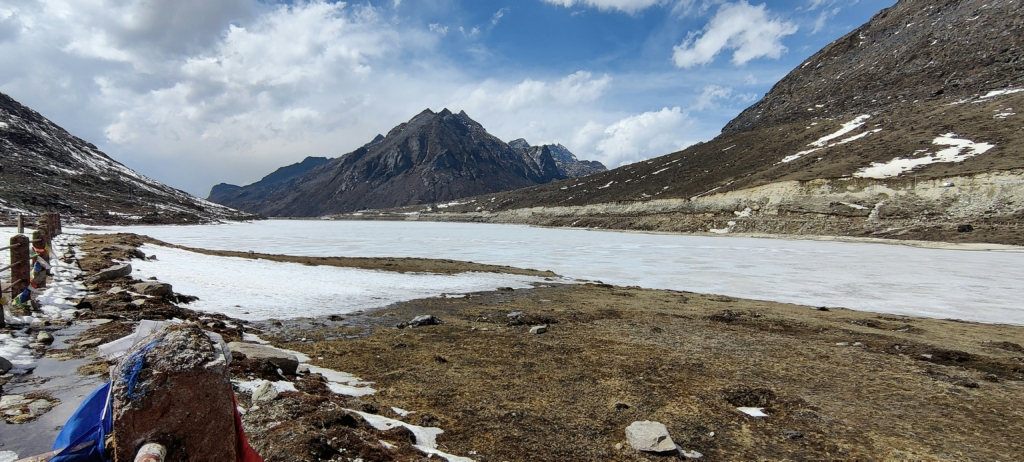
(575,88)
(747,30)
(498,15)
(710,93)
(626,6)
(634,138)
(438,28)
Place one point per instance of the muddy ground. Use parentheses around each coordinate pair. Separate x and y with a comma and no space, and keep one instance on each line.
(836,384)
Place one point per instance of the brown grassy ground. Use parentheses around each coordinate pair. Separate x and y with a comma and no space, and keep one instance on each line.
(617,355)
(912,389)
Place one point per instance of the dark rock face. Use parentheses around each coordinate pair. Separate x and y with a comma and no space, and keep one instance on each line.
(565,161)
(46,169)
(434,157)
(245,197)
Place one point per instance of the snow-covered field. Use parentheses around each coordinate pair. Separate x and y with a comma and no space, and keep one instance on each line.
(261,289)
(970,285)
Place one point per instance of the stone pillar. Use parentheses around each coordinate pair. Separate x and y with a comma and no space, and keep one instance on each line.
(20,270)
(173,388)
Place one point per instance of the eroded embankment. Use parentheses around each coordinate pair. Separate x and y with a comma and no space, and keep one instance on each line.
(986,208)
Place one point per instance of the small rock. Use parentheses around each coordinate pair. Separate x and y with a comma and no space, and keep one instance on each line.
(843,344)
(139,302)
(792,434)
(618,446)
(10,401)
(926,356)
(5,365)
(515,314)
(822,308)
(649,436)
(537,330)
(115,290)
(39,407)
(151,258)
(265,392)
(45,338)
(691,454)
(420,321)
(858,344)
(154,289)
(89,343)
(964,228)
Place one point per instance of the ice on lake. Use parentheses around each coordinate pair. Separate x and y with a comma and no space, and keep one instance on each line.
(970,285)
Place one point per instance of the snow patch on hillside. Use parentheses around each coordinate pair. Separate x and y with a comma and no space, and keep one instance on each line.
(959,150)
(826,141)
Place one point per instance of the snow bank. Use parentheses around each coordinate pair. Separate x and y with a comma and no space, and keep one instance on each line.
(261,289)
(959,150)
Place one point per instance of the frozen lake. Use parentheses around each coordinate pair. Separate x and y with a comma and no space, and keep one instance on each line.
(982,286)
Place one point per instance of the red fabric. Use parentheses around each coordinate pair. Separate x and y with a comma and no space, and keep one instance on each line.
(244,452)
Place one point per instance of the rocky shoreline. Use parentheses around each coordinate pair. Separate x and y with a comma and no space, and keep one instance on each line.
(833,383)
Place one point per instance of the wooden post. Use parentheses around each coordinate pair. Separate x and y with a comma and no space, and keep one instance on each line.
(21,224)
(20,271)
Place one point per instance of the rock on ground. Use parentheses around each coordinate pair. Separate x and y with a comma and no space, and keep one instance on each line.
(114,272)
(649,436)
(287,362)
(155,289)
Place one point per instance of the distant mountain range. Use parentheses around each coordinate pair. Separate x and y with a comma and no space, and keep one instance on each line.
(908,127)
(434,157)
(43,168)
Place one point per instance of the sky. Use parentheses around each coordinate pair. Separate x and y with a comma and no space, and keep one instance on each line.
(197,92)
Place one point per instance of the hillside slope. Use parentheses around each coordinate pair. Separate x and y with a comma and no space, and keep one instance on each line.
(43,168)
(905,127)
(248,196)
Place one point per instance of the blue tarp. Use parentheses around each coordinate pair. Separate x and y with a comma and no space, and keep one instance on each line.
(81,439)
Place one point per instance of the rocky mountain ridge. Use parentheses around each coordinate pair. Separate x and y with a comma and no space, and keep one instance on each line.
(43,168)
(432,158)
(849,143)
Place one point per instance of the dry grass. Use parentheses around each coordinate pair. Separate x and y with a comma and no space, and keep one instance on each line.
(622,354)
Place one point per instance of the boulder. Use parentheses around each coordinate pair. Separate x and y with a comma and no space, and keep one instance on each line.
(649,436)
(173,387)
(5,365)
(287,362)
(155,289)
(114,272)
(265,392)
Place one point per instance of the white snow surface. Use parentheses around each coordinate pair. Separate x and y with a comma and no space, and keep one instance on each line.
(426,437)
(959,150)
(826,141)
(884,278)
(753,411)
(261,289)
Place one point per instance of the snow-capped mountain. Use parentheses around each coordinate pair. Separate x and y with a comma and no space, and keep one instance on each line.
(43,168)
